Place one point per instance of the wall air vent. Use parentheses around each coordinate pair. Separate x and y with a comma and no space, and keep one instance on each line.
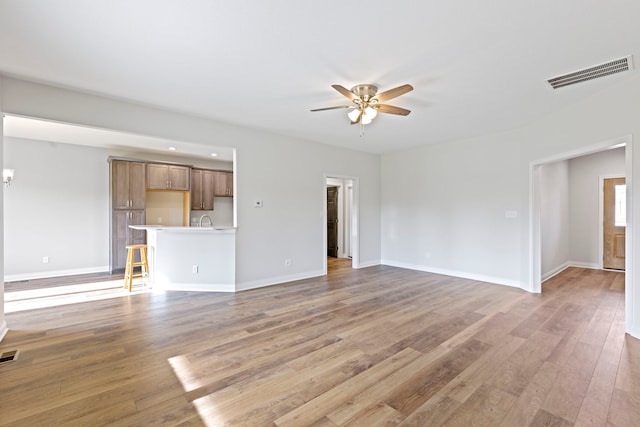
(611,67)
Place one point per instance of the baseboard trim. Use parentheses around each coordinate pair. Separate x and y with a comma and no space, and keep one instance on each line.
(633,332)
(461,274)
(554,272)
(56,273)
(548,275)
(365,264)
(590,265)
(195,287)
(3,330)
(261,283)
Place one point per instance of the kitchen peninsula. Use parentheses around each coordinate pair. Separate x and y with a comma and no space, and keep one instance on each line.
(191,258)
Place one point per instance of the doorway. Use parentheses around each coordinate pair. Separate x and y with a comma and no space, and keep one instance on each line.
(535,271)
(332,221)
(614,222)
(340,224)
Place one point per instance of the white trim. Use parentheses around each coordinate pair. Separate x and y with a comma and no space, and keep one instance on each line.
(589,265)
(568,264)
(559,269)
(535,258)
(55,273)
(195,287)
(601,179)
(631,300)
(462,274)
(365,264)
(278,280)
(3,330)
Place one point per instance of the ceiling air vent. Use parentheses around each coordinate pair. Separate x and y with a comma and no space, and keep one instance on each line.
(611,67)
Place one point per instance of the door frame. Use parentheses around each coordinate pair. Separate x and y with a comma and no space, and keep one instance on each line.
(632,289)
(601,179)
(355,215)
(339,218)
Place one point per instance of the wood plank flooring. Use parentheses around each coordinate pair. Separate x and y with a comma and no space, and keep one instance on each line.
(376,346)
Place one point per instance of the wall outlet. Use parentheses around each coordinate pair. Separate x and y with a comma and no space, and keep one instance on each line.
(194,269)
(45,260)
(287,262)
(159,220)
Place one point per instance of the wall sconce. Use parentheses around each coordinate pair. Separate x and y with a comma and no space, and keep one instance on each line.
(7,176)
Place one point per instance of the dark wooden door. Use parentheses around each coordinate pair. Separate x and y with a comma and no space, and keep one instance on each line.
(332,221)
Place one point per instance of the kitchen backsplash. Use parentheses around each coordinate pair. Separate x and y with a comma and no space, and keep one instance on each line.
(222,215)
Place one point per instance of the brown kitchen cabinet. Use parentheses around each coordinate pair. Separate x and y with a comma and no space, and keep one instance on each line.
(168,177)
(122,235)
(127,184)
(202,189)
(127,208)
(224,184)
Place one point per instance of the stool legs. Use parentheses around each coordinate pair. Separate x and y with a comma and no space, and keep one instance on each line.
(143,264)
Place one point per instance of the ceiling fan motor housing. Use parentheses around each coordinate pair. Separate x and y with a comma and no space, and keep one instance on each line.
(365,92)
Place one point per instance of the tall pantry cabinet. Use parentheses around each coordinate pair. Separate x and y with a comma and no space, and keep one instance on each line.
(127,208)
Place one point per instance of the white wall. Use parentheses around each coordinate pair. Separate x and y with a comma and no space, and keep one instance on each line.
(584,193)
(444,209)
(57,206)
(287,174)
(554,217)
(448,200)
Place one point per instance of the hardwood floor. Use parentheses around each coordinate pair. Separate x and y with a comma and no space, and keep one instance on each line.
(376,346)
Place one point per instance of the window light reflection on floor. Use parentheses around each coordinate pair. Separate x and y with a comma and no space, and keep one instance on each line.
(53,296)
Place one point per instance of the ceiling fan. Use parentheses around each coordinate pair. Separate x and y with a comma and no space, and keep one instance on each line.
(367,102)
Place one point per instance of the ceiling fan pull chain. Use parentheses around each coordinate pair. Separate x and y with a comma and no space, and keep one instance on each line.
(361,129)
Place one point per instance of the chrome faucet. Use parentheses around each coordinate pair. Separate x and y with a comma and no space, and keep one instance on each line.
(203,217)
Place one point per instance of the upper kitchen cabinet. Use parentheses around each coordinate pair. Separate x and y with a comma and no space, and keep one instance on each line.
(168,177)
(224,184)
(128,184)
(202,187)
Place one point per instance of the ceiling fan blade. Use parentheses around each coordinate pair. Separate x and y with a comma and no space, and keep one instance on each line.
(334,108)
(393,93)
(346,92)
(356,121)
(390,109)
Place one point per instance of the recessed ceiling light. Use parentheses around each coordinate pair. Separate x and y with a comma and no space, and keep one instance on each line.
(172,148)
(214,154)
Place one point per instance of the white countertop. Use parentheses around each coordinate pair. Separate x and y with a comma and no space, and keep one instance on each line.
(182,229)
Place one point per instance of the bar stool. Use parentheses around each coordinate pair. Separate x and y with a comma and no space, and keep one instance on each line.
(143,264)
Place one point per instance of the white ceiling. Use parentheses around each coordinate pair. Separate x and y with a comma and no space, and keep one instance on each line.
(477,66)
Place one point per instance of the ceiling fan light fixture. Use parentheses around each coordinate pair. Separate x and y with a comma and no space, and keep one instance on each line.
(367,102)
(353,114)
(370,112)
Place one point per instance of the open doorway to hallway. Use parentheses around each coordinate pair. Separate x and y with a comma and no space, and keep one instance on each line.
(341,237)
(567,209)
